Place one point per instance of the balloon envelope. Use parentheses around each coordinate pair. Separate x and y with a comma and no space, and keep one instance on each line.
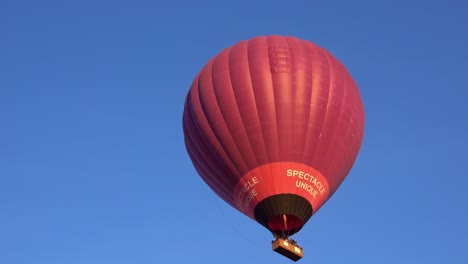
(273,125)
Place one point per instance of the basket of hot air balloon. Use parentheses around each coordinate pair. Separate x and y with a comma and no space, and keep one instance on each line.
(273,125)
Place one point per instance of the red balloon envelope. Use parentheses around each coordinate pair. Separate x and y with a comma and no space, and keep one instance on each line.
(273,125)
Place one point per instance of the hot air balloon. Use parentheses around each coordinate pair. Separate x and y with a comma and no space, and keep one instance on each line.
(273,125)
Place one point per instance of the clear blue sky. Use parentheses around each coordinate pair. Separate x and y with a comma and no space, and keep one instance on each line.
(93,167)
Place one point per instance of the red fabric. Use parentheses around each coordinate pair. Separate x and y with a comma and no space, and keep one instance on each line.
(268,100)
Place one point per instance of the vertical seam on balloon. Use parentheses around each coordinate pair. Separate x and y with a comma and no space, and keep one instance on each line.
(276,120)
(216,169)
(274,206)
(228,192)
(257,113)
(208,165)
(309,67)
(240,115)
(221,110)
(302,46)
(291,90)
(268,40)
(199,166)
(361,108)
(355,95)
(335,127)
(228,154)
(205,164)
(351,99)
(243,121)
(202,162)
(330,89)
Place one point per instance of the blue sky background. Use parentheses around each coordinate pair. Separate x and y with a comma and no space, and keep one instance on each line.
(93,167)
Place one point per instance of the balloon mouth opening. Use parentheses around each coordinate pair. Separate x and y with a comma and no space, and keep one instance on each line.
(285,224)
(283,214)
